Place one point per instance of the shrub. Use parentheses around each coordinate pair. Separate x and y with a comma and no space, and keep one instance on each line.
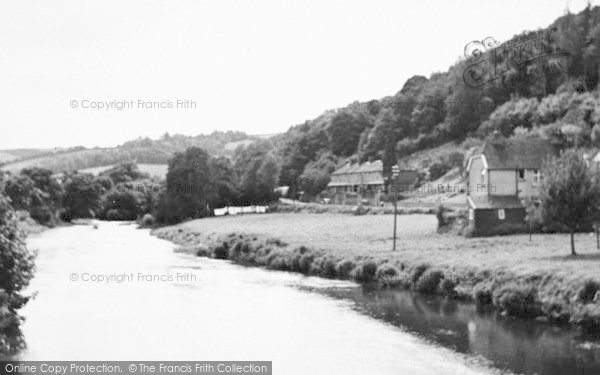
(344,268)
(202,252)
(438,169)
(588,317)
(360,210)
(388,275)
(315,266)
(148,220)
(447,287)
(277,242)
(365,272)
(418,272)
(279,263)
(305,262)
(328,268)
(456,159)
(482,294)
(588,291)
(221,251)
(517,300)
(428,283)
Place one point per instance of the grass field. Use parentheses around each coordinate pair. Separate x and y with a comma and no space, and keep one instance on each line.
(504,270)
(154,170)
(371,235)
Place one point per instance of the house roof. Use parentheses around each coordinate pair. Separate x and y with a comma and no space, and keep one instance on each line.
(494,201)
(515,153)
(374,166)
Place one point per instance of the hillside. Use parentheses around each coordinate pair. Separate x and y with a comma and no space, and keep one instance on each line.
(142,151)
(547,88)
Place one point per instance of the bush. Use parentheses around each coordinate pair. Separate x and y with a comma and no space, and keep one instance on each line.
(328,268)
(344,268)
(365,272)
(438,169)
(447,287)
(588,291)
(418,272)
(305,262)
(429,282)
(148,220)
(456,159)
(482,295)
(221,251)
(517,300)
(388,275)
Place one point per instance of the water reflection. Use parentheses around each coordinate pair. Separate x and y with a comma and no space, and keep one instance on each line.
(528,347)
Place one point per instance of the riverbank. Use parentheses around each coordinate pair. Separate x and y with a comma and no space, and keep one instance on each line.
(536,279)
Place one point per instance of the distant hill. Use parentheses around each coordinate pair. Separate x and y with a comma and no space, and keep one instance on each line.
(154,170)
(141,151)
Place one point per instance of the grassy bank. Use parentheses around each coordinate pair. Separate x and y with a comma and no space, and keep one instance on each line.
(404,208)
(518,277)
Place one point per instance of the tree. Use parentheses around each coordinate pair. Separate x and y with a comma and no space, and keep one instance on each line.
(22,192)
(125,203)
(344,132)
(188,184)
(16,270)
(505,118)
(223,190)
(124,172)
(258,172)
(82,196)
(315,177)
(45,208)
(569,193)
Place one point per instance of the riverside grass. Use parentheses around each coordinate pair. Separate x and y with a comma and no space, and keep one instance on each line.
(518,277)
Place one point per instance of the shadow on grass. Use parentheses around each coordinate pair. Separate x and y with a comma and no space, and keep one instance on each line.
(562,258)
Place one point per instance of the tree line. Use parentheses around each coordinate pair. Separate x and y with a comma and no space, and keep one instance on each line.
(196,183)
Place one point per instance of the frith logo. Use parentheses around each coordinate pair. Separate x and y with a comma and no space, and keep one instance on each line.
(518,62)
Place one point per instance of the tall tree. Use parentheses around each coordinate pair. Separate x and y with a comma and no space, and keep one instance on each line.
(570,193)
(223,190)
(188,184)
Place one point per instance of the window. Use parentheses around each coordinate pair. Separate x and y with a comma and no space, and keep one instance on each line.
(536,177)
(521,174)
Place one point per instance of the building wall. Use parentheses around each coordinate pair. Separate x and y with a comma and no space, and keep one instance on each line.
(476,178)
(488,221)
(527,187)
(503,182)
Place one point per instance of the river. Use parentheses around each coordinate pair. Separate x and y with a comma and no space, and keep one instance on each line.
(115,292)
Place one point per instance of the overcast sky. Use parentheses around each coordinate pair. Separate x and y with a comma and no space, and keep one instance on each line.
(255,66)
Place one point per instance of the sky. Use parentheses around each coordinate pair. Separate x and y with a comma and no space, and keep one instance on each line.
(195,66)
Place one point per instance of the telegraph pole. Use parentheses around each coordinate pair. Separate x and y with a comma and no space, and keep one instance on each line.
(395,214)
(395,173)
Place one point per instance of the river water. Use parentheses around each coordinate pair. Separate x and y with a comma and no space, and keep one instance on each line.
(117,293)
